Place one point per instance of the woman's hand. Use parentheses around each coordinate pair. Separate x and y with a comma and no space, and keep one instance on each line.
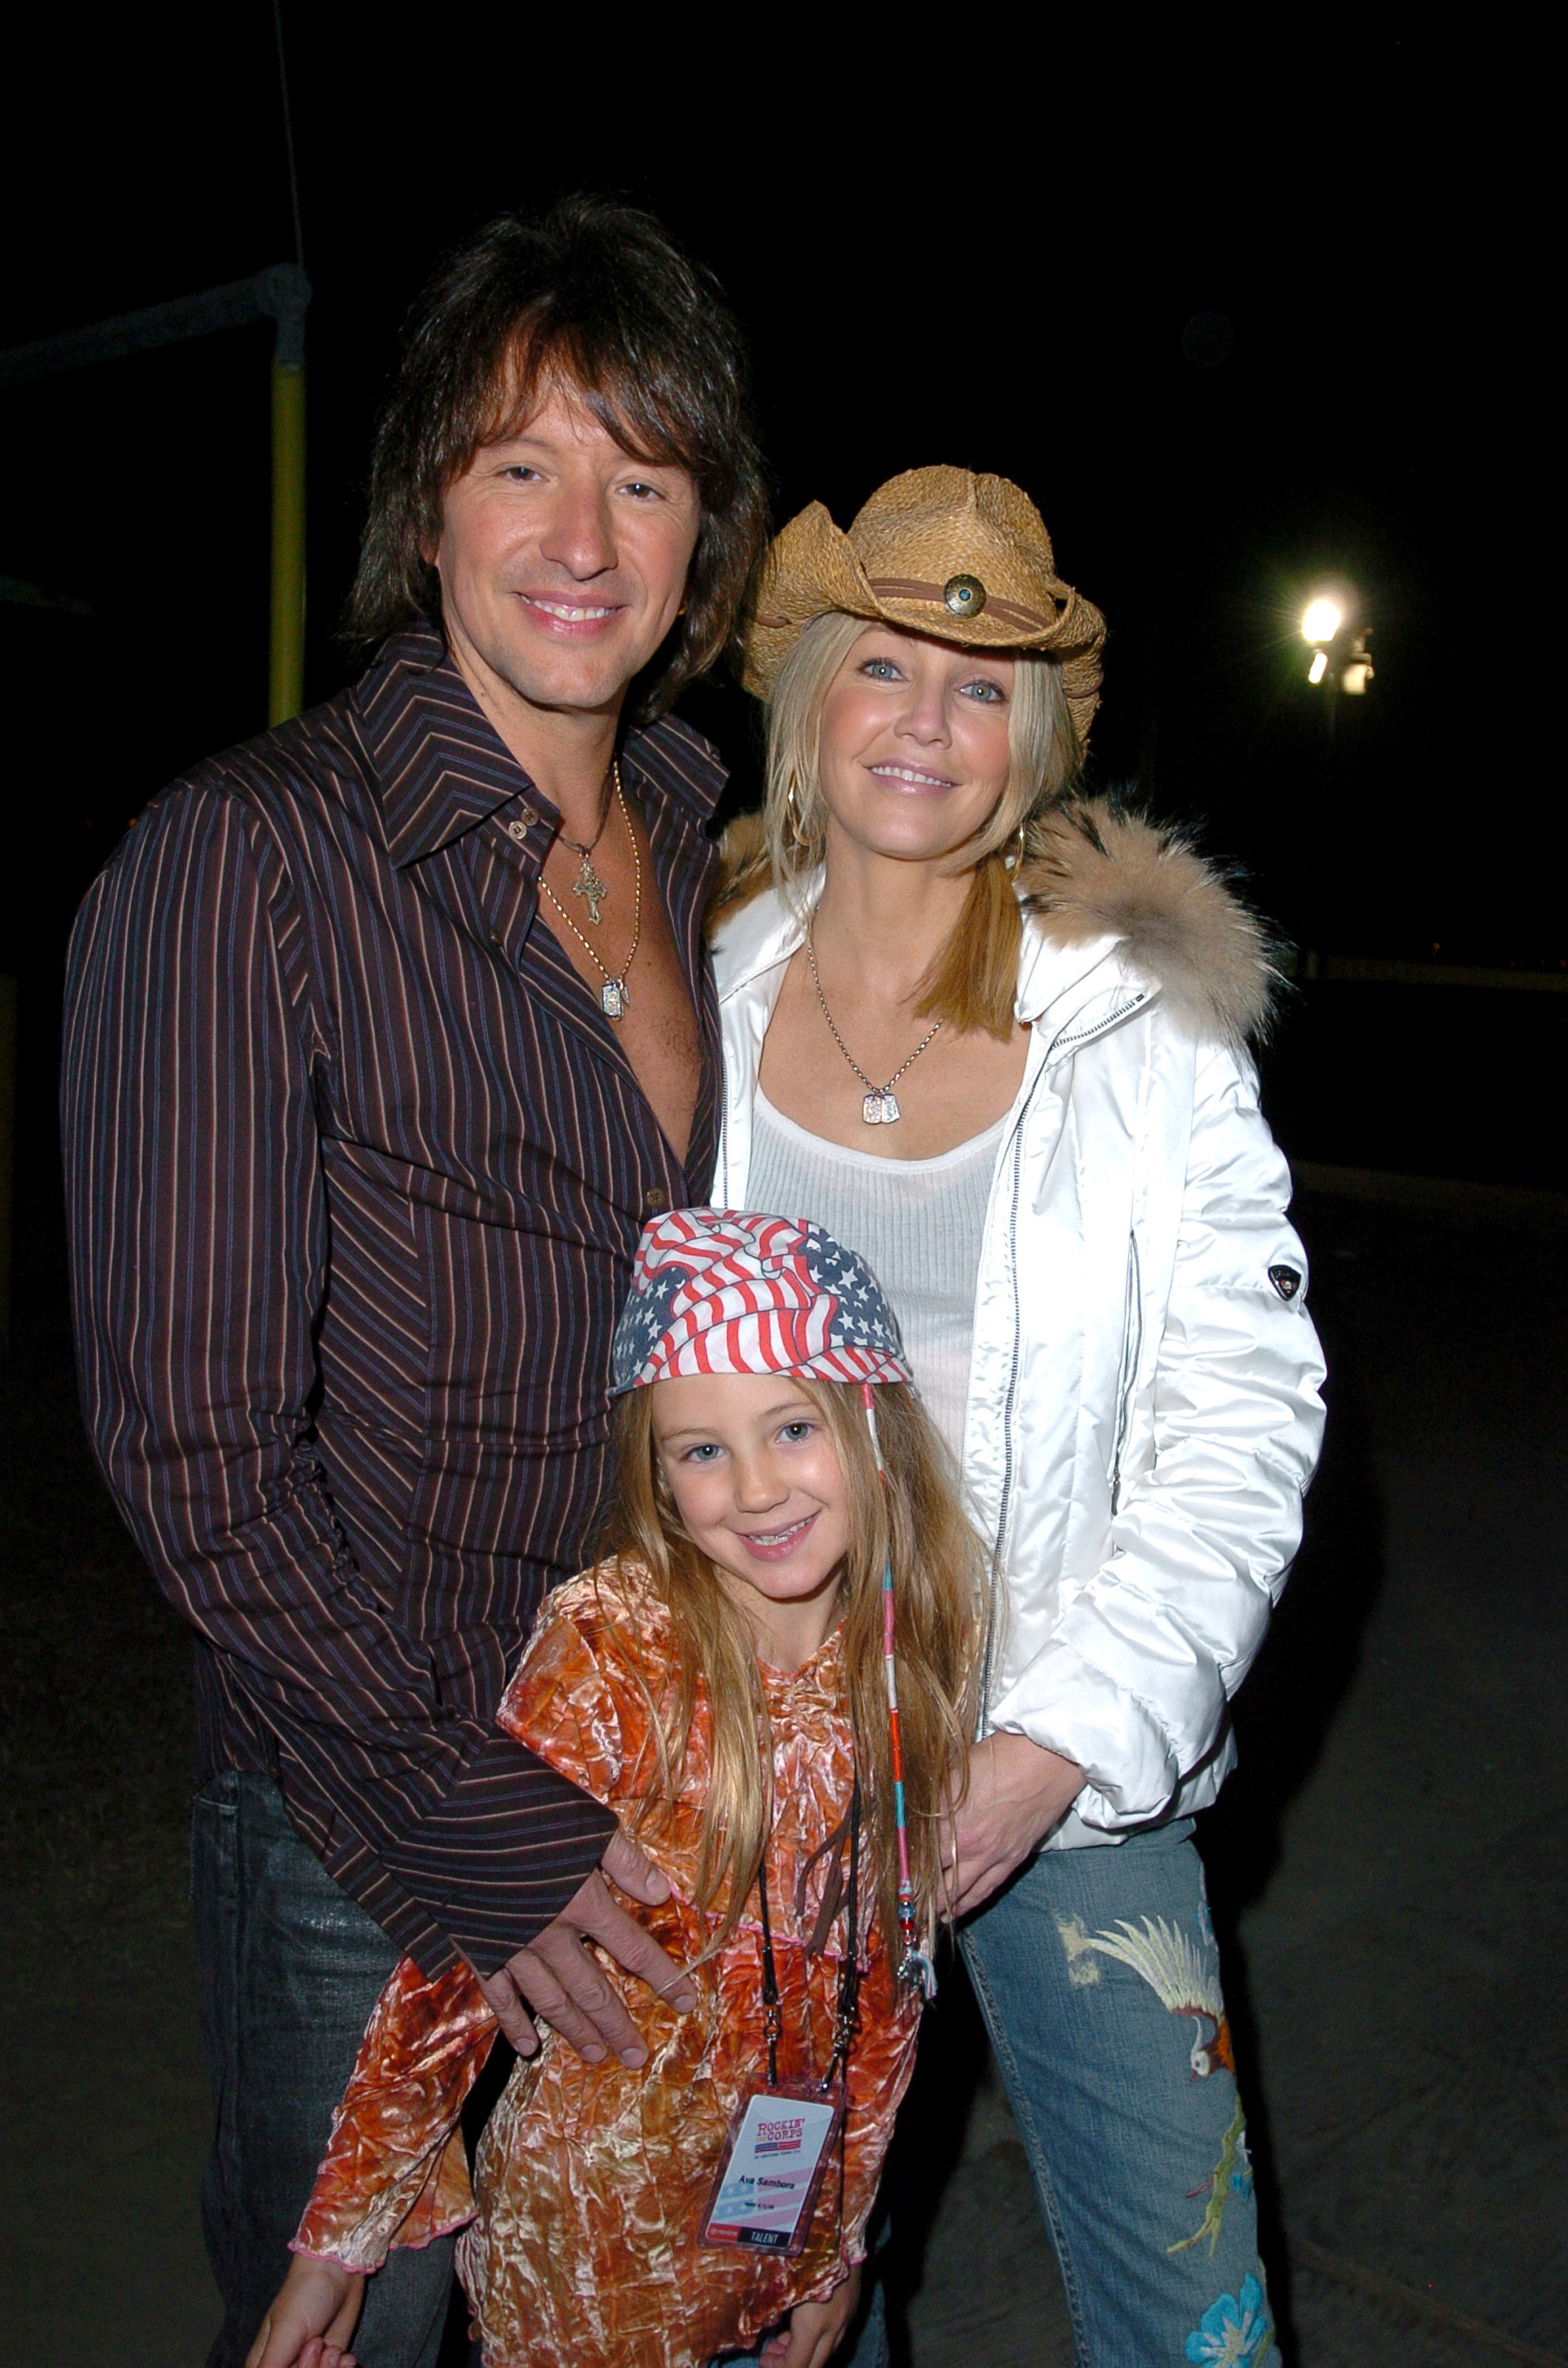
(310,2319)
(815,2330)
(1017,1791)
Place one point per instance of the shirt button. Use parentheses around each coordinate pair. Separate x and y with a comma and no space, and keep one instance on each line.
(656,1203)
(517,830)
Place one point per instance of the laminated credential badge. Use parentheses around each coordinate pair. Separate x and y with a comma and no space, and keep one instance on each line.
(767,2182)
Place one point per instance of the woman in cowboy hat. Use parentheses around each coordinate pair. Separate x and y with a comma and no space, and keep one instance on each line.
(991,1032)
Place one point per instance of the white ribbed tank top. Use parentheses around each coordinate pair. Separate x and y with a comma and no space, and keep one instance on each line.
(916,1223)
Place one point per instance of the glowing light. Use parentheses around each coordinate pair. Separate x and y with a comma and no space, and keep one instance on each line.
(1356,677)
(1322,621)
(1318,667)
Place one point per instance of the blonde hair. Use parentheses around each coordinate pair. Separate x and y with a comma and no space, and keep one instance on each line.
(972,982)
(937,1579)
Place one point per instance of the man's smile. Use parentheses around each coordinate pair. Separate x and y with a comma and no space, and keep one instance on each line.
(568,615)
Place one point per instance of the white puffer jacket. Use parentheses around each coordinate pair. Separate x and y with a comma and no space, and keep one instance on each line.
(1144,1411)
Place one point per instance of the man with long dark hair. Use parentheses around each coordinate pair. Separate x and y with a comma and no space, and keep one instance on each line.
(386,1033)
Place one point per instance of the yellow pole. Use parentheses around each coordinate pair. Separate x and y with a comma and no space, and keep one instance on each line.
(286,653)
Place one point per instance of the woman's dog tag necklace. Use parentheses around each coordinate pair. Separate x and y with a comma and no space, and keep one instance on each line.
(880,1105)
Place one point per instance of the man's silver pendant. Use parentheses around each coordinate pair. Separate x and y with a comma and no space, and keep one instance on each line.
(590,885)
(881,1108)
(613,998)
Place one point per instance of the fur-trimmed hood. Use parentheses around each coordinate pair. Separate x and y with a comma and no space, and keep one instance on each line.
(1105,876)
(1108,871)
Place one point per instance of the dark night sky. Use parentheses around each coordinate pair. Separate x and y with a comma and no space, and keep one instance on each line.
(983,253)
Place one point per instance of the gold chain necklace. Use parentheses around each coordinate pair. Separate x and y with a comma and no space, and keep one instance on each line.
(880,1105)
(614,995)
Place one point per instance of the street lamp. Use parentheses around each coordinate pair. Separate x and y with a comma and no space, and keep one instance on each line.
(1339,657)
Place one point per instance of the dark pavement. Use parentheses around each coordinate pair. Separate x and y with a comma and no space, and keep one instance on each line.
(1388,1868)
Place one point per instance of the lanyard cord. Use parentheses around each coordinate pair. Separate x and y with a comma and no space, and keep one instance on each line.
(772,2013)
(914,1966)
(849,1964)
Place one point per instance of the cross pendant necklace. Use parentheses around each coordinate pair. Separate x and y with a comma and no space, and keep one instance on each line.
(615,993)
(591,886)
(587,884)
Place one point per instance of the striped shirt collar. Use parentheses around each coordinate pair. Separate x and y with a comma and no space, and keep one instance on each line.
(443,767)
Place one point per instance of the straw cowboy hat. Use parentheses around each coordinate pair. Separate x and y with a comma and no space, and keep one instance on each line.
(941,552)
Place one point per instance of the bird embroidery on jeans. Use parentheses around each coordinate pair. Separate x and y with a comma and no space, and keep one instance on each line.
(1181,1981)
(1186,1983)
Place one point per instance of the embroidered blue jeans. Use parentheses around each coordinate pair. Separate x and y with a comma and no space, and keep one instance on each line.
(289,1967)
(1099,1980)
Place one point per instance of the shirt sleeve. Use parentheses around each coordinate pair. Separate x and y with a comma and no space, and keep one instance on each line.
(199,1264)
(395,2172)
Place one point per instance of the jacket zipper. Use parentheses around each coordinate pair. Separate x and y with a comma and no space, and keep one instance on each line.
(724,1118)
(1005,1501)
(1068,1044)
(1009,1404)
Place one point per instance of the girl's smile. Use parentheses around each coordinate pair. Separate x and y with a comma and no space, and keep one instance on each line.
(756,1483)
(773,1545)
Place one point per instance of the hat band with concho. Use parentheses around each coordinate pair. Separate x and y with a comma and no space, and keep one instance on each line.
(961,596)
(941,553)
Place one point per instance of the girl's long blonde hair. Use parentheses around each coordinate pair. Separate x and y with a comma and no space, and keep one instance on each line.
(973,980)
(938,1575)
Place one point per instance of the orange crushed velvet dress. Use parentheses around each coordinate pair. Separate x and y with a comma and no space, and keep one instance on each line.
(579,2240)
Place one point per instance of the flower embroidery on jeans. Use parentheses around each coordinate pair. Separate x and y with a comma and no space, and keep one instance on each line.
(1241,2169)
(1233,2332)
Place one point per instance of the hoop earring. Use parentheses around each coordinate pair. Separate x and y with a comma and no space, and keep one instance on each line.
(1017,851)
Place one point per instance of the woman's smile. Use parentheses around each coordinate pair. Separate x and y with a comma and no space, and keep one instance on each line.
(903,776)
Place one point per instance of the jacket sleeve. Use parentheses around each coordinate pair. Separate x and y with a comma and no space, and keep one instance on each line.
(200,1265)
(1134,1682)
(395,2171)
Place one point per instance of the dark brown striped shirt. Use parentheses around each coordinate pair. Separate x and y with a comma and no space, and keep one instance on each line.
(356,1170)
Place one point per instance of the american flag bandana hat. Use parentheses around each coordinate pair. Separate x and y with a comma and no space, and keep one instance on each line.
(720,1291)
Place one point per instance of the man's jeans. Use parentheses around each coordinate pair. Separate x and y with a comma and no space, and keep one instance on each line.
(1097,1974)
(290,1968)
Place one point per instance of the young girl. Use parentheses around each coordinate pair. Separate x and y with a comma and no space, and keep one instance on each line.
(781,1526)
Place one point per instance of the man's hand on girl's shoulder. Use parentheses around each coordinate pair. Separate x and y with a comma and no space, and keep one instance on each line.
(556,1979)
